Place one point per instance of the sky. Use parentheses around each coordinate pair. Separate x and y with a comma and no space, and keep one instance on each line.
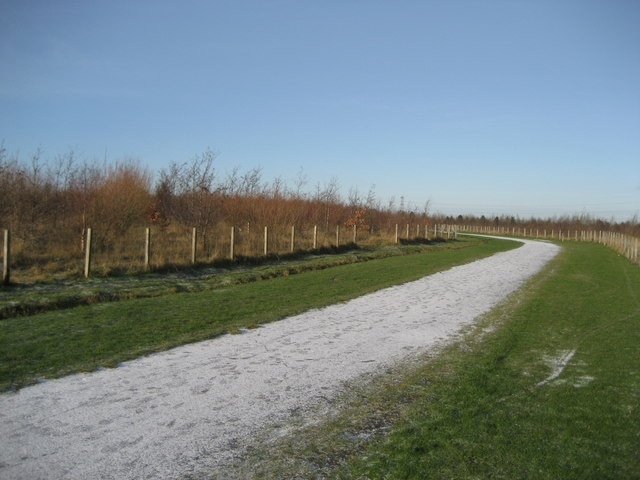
(495,107)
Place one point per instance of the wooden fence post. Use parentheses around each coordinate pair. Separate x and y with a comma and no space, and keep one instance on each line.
(396,233)
(147,247)
(337,235)
(355,233)
(231,247)
(266,240)
(6,258)
(87,254)
(315,237)
(293,237)
(194,244)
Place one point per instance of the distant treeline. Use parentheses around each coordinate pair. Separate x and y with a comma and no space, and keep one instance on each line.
(566,223)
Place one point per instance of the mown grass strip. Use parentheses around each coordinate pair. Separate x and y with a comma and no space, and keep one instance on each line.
(546,386)
(84,338)
(59,294)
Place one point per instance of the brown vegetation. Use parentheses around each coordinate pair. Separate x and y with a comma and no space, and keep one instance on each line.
(48,206)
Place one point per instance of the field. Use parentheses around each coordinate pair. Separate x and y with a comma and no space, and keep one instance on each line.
(545,386)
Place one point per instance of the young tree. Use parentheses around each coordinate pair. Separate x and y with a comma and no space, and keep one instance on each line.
(161,204)
(121,200)
(195,200)
(328,197)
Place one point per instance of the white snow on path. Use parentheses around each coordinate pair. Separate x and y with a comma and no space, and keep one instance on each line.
(192,409)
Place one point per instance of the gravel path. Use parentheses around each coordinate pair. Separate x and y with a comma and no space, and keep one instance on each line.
(193,409)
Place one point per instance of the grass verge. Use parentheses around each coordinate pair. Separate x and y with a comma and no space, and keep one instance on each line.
(84,338)
(546,386)
(23,299)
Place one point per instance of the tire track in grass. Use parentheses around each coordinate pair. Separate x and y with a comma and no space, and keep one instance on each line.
(558,364)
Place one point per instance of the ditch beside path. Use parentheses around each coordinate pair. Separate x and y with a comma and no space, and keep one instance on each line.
(192,410)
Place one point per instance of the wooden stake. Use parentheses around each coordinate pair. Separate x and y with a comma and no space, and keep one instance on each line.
(87,254)
(231,247)
(266,240)
(6,258)
(194,244)
(147,246)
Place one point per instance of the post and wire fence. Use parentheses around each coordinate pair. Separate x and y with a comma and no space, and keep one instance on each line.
(146,249)
(624,244)
(155,248)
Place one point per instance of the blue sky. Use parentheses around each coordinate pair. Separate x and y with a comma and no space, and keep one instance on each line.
(520,107)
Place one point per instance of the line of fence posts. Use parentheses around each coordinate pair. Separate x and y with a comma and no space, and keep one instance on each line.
(88,247)
(232,239)
(450,231)
(626,245)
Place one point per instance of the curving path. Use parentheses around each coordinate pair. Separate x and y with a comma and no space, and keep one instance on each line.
(193,409)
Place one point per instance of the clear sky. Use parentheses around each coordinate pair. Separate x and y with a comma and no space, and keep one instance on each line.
(517,107)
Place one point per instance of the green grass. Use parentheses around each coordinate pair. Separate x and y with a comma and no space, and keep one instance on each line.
(84,338)
(489,415)
(54,293)
(488,406)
